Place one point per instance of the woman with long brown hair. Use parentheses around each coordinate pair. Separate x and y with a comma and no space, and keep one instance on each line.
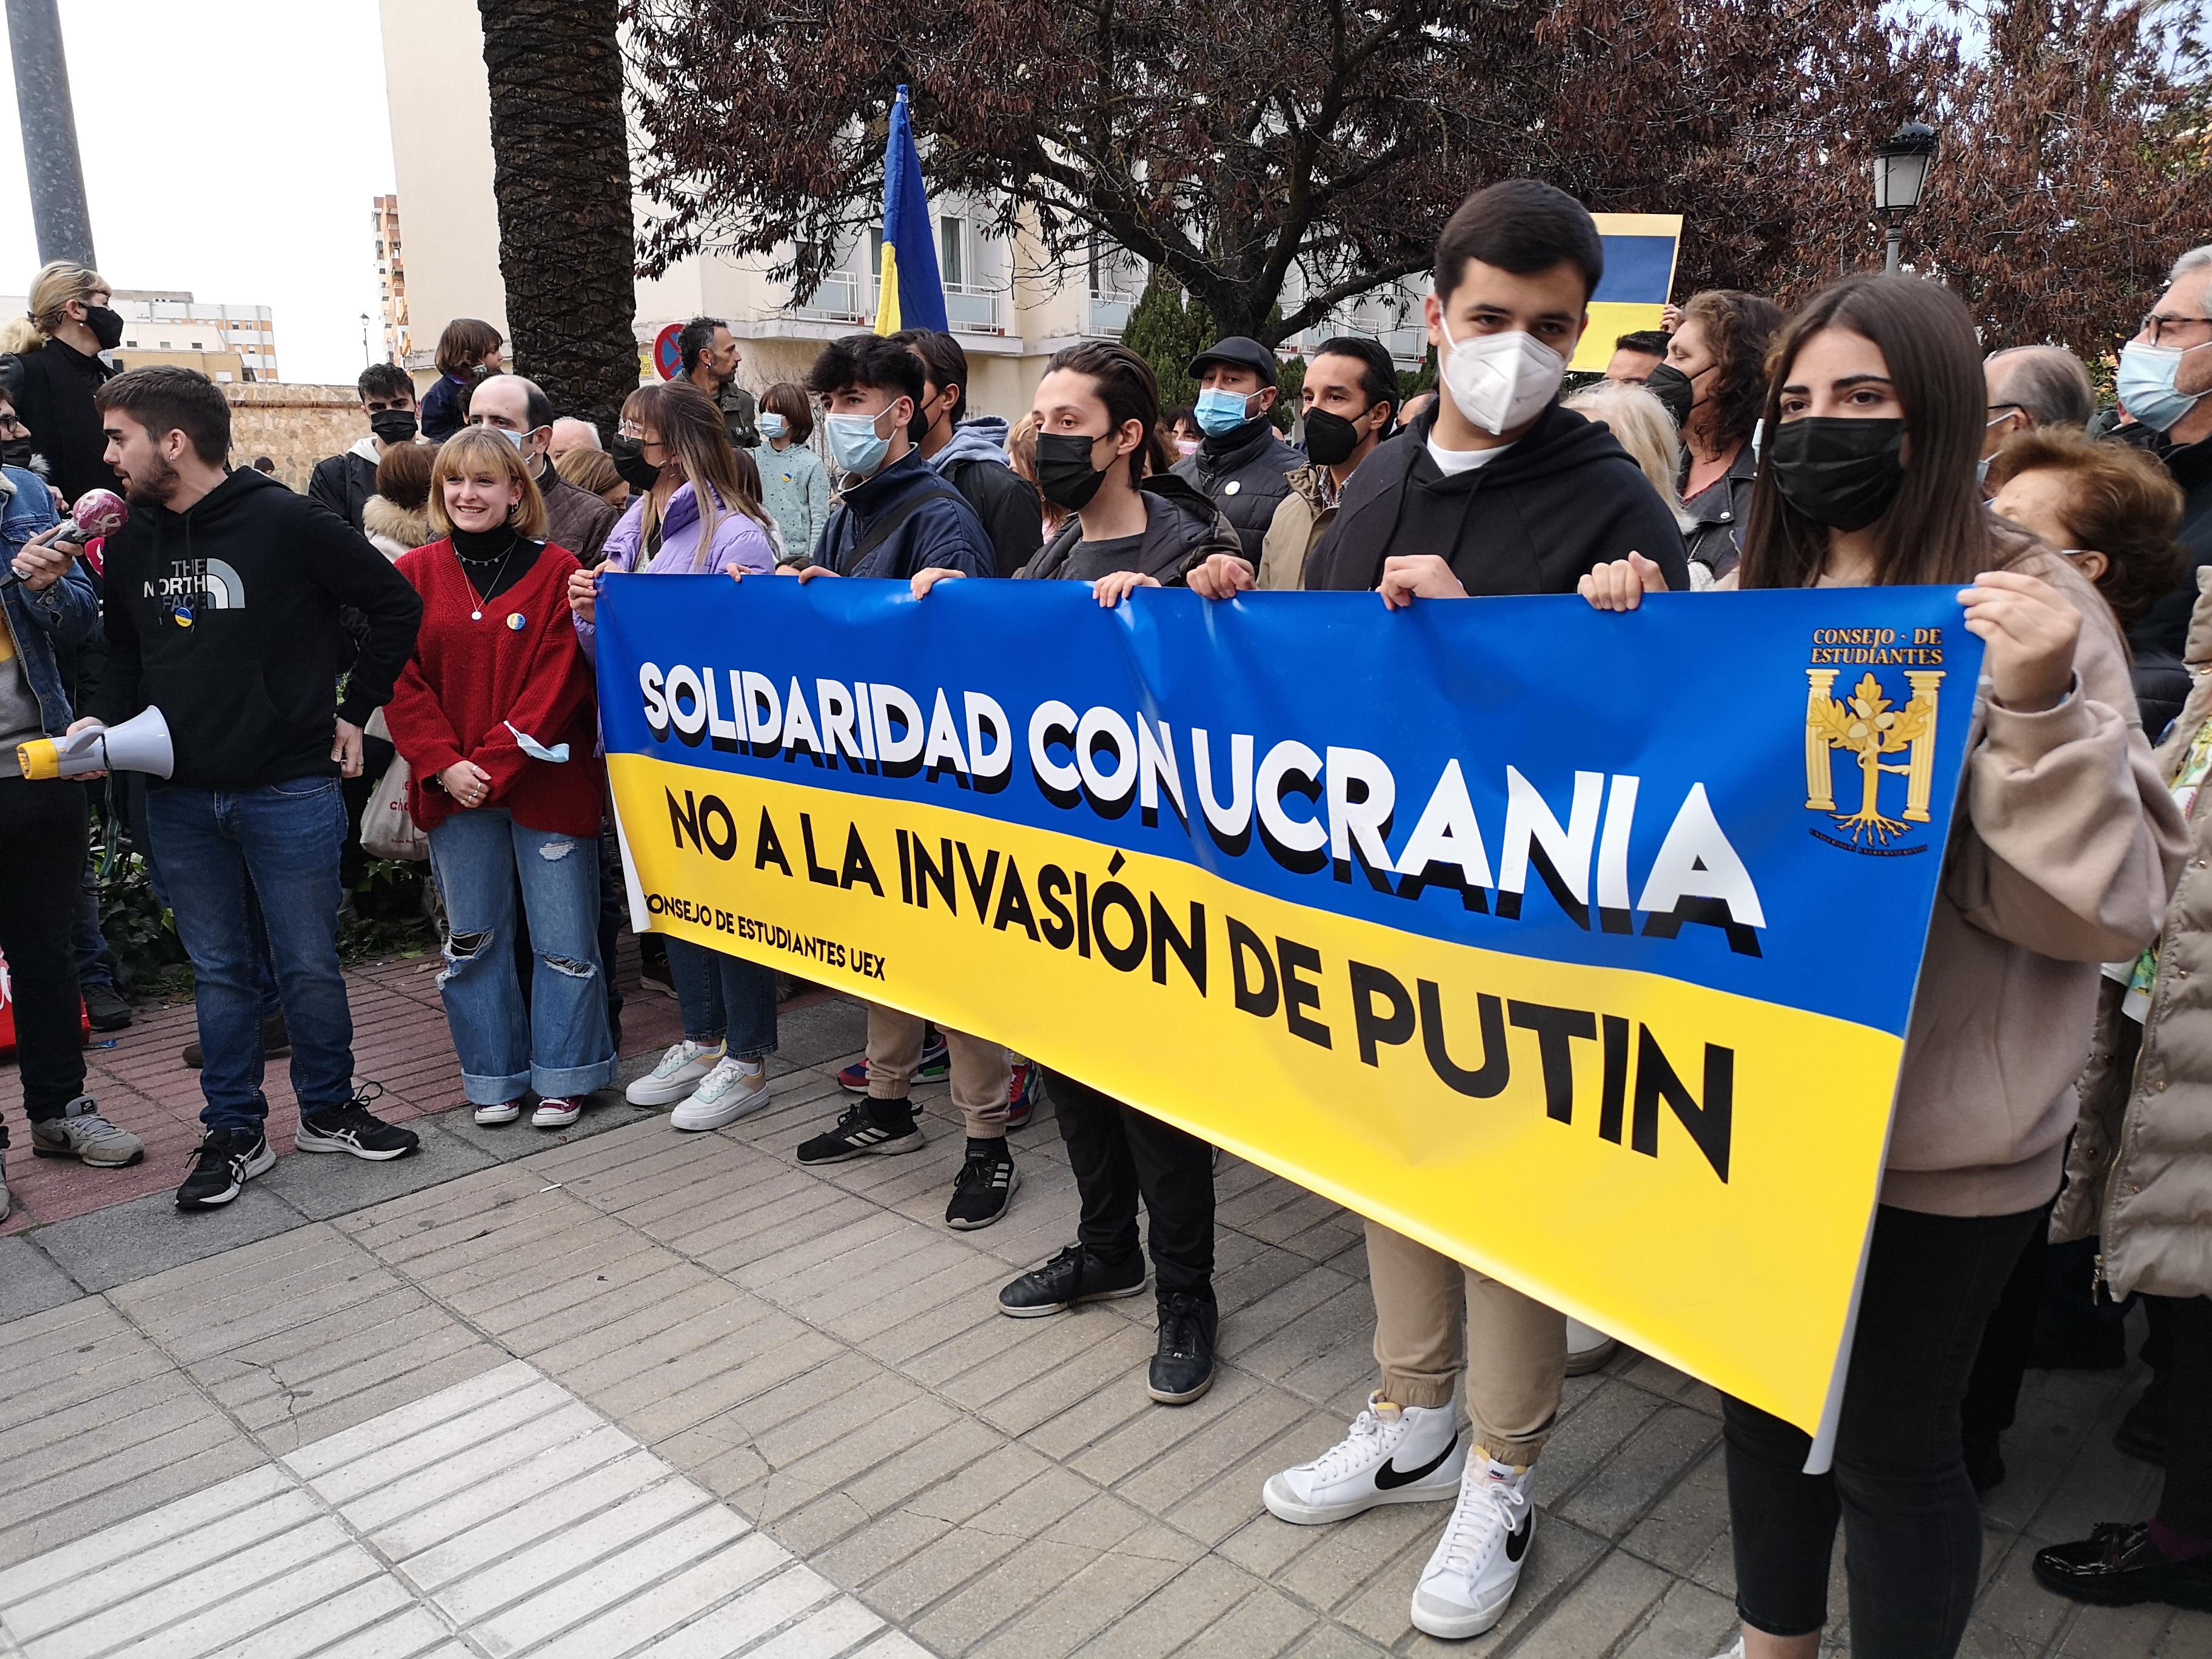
(696,508)
(2068,846)
(1716,361)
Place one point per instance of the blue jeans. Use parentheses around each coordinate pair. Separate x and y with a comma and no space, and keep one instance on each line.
(724,998)
(558,1046)
(94,966)
(220,850)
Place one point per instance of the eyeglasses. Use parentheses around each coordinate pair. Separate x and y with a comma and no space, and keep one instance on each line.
(9,423)
(2155,325)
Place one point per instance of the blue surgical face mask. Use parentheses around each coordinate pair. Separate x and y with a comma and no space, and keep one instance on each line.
(771,426)
(1220,412)
(855,445)
(2146,386)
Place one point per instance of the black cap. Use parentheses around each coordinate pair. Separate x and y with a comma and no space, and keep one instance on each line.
(1239,350)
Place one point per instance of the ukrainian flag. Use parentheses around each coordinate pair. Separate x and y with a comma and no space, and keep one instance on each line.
(911,295)
(1639,270)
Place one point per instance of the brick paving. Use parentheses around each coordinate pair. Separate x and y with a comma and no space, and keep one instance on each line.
(850,1451)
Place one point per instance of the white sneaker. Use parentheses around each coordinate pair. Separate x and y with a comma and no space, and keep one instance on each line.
(503,1111)
(676,1076)
(732,1089)
(1587,1348)
(1464,1590)
(556,1114)
(1393,1455)
(1735,1649)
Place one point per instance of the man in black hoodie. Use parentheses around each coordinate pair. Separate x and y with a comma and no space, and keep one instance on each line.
(222,612)
(1496,490)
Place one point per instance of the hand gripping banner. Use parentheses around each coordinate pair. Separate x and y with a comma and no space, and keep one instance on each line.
(1579,946)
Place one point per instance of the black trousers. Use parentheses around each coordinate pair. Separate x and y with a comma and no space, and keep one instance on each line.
(1120,1154)
(2185,1505)
(42,829)
(1912,1526)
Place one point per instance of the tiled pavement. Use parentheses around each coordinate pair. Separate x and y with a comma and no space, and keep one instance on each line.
(588,1395)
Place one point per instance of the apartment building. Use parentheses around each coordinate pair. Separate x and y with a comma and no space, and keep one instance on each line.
(391,277)
(168,325)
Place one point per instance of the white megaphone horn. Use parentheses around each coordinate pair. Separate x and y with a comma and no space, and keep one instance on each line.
(141,744)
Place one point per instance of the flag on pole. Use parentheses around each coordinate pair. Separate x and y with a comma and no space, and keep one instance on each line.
(911,295)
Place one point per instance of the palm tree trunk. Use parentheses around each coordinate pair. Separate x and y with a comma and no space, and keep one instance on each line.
(561,175)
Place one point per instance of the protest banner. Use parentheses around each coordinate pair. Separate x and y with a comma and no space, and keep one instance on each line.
(1578,945)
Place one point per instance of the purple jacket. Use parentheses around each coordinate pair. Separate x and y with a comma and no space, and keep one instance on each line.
(739,543)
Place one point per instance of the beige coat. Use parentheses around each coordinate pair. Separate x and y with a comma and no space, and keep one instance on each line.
(2068,846)
(2140,1173)
(1294,533)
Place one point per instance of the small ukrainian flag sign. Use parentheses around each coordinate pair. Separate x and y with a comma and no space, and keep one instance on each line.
(1640,250)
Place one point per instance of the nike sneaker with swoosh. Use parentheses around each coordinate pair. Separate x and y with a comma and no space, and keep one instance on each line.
(1392,1454)
(1464,1590)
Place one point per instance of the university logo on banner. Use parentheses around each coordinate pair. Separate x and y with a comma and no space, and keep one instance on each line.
(1579,946)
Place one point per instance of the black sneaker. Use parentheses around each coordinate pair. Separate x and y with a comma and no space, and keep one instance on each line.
(274,1041)
(1072,1276)
(984,1186)
(105,1007)
(873,1126)
(1182,1366)
(228,1159)
(351,1128)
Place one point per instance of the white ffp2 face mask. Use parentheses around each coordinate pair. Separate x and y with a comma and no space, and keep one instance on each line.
(1500,380)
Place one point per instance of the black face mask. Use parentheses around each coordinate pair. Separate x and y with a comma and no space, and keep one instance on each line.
(1330,438)
(1065,474)
(106,326)
(1840,472)
(16,452)
(393,426)
(1675,392)
(628,455)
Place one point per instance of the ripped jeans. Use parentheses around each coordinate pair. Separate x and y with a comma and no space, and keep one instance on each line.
(559,1045)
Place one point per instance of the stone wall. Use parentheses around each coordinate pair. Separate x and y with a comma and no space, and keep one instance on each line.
(295,426)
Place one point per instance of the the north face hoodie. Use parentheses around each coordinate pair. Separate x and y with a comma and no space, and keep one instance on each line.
(1564,497)
(225,617)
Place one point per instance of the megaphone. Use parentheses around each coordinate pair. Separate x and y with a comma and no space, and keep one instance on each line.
(141,744)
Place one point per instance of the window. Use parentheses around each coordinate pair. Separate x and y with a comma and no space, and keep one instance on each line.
(199,346)
(165,345)
(953,269)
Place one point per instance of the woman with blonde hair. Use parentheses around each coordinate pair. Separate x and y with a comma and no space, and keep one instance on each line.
(54,369)
(1641,423)
(695,508)
(494,717)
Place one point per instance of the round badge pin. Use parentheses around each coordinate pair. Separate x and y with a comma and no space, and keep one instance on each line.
(1231,487)
(515,622)
(183,614)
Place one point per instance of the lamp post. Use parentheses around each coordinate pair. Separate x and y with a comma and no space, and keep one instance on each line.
(365,358)
(1901,173)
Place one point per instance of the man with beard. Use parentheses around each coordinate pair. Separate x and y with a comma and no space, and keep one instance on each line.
(222,610)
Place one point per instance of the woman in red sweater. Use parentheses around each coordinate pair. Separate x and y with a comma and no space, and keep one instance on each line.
(494,717)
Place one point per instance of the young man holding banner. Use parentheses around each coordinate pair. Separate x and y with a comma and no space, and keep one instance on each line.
(1450,510)
(899,515)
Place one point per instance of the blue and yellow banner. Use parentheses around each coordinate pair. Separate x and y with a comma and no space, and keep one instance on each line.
(1640,251)
(1580,946)
(909,292)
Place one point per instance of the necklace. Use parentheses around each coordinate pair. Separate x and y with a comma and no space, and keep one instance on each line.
(483,594)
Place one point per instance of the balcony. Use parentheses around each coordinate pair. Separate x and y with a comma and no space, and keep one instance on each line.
(973,310)
(837,299)
(1108,313)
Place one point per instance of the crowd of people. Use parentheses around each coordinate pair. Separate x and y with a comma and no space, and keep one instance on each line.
(426,613)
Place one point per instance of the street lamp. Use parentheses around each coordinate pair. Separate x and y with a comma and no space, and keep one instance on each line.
(1901,173)
(364,340)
